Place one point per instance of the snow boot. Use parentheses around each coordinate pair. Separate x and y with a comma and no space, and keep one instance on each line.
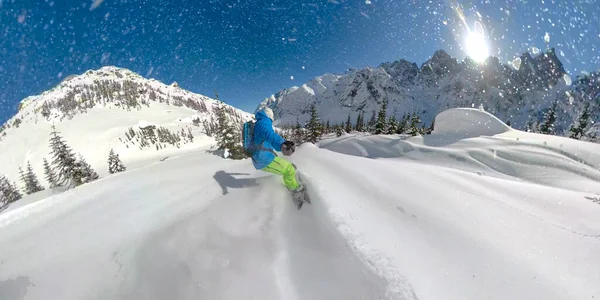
(299,196)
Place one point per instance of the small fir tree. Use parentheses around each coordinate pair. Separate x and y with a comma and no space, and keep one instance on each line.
(83,172)
(228,138)
(547,127)
(392,125)
(63,159)
(50,175)
(30,182)
(348,127)
(298,133)
(8,192)
(339,130)
(403,124)
(381,123)
(413,129)
(115,164)
(314,126)
(360,122)
(579,128)
(372,122)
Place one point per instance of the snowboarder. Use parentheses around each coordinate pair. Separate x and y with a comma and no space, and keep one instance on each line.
(266,141)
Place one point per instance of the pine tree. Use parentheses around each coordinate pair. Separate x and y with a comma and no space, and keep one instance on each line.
(115,164)
(327,127)
(392,125)
(381,123)
(8,192)
(63,159)
(339,130)
(359,122)
(348,125)
(30,181)
(50,176)
(298,134)
(531,127)
(228,138)
(314,126)
(579,128)
(23,179)
(372,122)
(414,125)
(549,118)
(83,172)
(430,129)
(403,124)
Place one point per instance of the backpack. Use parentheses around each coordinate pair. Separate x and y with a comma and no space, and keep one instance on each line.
(247,136)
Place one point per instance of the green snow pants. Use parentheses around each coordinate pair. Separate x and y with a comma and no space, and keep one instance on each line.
(283,167)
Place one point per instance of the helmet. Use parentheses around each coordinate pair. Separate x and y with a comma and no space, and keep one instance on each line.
(269,113)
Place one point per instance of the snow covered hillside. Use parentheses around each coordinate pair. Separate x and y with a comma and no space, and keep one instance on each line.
(492,214)
(475,141)
(518,92)
(104,109)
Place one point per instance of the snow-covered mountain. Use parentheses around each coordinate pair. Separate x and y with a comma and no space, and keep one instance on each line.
(141,119)
(476,210)
(518,92)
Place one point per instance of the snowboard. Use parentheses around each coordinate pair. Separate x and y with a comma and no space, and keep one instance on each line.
(299,198)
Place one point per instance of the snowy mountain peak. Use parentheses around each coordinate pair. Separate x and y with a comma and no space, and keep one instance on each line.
(519,93)
(110,108)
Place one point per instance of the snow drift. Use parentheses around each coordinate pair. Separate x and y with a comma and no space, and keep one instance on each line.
(466,122)
(476,141)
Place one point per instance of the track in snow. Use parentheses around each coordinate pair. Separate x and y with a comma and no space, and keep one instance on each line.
(182,229)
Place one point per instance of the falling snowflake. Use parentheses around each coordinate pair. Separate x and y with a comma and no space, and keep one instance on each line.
(516,63)
(368,2)
(547,38)
(96,4)
(303,68)
(292,77)
(535,50)
(149,72)
(22,17)
(567,79)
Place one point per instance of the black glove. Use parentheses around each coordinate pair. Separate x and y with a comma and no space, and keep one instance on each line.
(288,148)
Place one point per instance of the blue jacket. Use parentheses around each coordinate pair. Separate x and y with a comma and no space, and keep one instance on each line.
(264,133)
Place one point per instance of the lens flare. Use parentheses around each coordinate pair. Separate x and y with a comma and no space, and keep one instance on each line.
(476,46)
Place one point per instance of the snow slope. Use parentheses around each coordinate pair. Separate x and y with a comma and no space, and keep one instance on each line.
(93,111)
(412,226)
(477,142)
(185,228)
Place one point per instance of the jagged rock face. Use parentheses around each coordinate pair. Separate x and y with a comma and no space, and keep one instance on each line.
(516,95)
(402,71)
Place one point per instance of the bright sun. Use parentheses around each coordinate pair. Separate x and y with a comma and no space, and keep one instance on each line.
(477,46)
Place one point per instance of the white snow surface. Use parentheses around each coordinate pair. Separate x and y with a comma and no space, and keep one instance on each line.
(509,215)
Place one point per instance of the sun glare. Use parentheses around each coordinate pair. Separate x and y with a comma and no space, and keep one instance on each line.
(476,46)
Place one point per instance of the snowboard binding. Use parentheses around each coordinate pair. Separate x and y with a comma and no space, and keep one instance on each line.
(300,196)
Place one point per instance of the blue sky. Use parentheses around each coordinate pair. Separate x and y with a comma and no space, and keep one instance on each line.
(248,50)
